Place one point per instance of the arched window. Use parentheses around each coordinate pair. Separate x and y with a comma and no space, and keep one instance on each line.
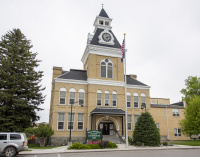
(106,68)
(99,97)
(72,93)
(135,97)
(106,98)
(62,98)
(81,97)
(128,100)
(143,100)
(114,98)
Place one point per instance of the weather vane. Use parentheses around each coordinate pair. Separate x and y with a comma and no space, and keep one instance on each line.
(102,5)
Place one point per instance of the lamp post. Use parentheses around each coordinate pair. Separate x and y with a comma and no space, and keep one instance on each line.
(143,106)
(70,133)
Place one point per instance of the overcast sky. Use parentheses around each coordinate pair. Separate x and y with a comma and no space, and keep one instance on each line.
(162,37)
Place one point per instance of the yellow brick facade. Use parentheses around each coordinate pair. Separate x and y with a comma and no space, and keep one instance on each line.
(92,58)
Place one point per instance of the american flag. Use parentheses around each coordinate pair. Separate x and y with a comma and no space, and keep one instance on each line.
(122,49)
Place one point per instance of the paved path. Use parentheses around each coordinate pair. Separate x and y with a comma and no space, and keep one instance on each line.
(121,147)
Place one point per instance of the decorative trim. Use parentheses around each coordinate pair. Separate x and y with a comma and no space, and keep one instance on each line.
(71,81)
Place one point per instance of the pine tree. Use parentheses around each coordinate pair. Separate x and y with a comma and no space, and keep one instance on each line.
(146,131)
(20,83)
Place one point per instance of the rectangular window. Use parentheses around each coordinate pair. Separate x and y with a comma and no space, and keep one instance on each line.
(177,132)
(110,72)
(72,121)
(106,23)
(135,119)
(71,98)
(15,137)
(128,101)
(100,22)
(99,99)
(81,98)
(3,136)
(158,126)
(80,121)
(106,99)
(61,120)
(143,102)
(103,71)
(175,112)
(114,99)
(62,97)
(136,105)
(129,122)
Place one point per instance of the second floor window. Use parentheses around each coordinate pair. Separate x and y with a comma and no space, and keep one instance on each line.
(81,97)
(99,97)
(72,93)
(143,101)
(62,96)
(175,112)
(106,68)
(114,98)
(128,100)
(135,97)
(106,98)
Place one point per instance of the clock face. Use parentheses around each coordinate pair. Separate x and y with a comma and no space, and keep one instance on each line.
(106,37)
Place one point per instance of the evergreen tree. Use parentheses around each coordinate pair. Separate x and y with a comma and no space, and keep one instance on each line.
(20,88)
(146,131)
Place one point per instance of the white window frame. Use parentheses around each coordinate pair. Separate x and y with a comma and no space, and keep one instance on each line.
(129,122)
(176,132)
(143,96)
(72,90)
(109,61)
(81,91)
(106,93)
(175,112)
(62,90)
(114,93)
(80,121)
(158,126)
(135,95)
(135,115)
(128,94)
(61,121)
(99,92)
(68,120)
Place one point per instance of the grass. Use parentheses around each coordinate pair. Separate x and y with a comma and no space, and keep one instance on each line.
(37,146)
(188,142)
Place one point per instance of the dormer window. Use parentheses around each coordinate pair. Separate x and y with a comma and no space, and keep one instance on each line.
(100,22)
(106,68)
(106,23)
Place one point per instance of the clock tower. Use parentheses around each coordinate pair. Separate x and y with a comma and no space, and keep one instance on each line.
(102,56)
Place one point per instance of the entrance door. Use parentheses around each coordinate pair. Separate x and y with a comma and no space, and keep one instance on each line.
(106,128)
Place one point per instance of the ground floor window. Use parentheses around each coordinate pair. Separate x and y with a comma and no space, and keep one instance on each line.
(177,132)
(135,119)
(129,122)
(158,126)
(61,119)
(80,121)
(72,121)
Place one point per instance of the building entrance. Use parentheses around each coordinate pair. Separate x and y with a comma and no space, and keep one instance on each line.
(106,128)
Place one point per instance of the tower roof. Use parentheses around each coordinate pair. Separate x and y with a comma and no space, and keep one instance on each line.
(103,13)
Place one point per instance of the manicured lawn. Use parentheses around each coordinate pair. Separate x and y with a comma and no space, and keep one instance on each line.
(188,142)
(37,146)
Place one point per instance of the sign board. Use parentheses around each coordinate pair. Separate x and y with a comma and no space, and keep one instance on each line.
(93,135)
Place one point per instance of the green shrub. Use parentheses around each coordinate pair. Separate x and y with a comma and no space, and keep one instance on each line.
(77,145)
(111,145)
(146,131)
(130,140)
(94,146)
(103,144)
(165,144)
(138,143)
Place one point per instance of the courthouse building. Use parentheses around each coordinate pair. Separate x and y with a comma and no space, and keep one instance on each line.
(100,88)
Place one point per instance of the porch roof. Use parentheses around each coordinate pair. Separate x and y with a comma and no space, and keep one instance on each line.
(113,111)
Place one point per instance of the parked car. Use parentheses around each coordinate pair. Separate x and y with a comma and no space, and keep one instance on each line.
(11,143)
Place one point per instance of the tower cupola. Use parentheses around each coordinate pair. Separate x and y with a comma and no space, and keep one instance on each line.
(102,21)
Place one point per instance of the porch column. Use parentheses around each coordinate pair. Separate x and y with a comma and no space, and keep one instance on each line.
(91,122)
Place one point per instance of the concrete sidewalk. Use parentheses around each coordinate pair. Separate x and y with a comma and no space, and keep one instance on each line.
(121,147)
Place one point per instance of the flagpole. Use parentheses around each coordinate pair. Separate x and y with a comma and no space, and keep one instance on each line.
(125,86)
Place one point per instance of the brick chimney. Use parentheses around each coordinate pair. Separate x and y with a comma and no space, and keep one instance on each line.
(133,76)
(57,71)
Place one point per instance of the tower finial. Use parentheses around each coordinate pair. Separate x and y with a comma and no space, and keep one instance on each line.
(102,5)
